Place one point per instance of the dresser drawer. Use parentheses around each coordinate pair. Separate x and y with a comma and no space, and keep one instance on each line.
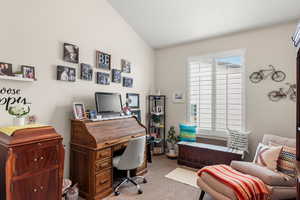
(103,180)
(103,165)
(105,153)
(29,159)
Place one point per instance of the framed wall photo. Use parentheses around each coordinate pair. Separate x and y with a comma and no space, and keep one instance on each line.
(178,97)
(133,100)
(6,69)
(116,76)
(126,66)
(103,78)
(86,72)
(28,72)
(137,114)
(71,53)
(66,73)
(103,60)
(79,110)
(127,82)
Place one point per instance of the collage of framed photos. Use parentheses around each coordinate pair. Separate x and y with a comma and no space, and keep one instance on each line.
(6,69)
(103,61)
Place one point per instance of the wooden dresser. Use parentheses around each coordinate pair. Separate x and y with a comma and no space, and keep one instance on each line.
(92,148)
(31,164)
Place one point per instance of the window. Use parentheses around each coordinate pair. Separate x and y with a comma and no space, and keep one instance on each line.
(216,92)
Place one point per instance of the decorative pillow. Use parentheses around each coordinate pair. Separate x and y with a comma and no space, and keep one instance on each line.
(187,132)
(286,161)
(267,156)
(238,140)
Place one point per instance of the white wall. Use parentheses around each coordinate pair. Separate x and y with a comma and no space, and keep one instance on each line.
(263,46)
(32,33)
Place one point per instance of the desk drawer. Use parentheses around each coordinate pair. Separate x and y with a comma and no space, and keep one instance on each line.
(105,153)
(103,180)
(31,159)
(103,165)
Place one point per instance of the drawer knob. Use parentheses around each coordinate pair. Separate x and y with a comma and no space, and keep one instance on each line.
(35,160)
(42,158)
(41,187)
(35,190)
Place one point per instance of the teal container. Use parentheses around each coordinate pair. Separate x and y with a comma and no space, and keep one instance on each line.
(187,132)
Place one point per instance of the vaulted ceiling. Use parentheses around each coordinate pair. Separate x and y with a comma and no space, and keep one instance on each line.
(163,23)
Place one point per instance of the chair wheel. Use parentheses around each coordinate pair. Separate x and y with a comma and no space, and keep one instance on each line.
(140,191)
(117,193)
(145,181)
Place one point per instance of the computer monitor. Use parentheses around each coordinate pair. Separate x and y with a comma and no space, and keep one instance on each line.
(108,103)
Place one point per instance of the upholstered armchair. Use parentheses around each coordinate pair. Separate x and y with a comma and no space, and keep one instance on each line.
(281,186)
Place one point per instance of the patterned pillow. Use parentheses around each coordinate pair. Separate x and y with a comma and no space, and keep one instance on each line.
(187,132)
(238,140)
(267,156)
(286,161)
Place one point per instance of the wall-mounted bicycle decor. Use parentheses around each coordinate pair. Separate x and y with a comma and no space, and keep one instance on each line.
(277,95)
(263,74)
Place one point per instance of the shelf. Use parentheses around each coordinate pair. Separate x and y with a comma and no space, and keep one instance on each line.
(15,78)
(157,113)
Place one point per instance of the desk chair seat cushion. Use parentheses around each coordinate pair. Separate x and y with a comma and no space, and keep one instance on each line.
(268,176)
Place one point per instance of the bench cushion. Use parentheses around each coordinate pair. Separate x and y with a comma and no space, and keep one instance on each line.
(268,176)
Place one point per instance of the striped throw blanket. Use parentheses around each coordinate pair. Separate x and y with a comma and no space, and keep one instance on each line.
(245,187)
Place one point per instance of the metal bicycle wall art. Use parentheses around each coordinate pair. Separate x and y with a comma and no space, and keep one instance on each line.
(276,75)
(277,95)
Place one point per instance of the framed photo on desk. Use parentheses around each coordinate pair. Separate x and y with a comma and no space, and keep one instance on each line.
(79,111)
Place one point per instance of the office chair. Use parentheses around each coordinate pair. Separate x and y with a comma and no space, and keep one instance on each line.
(132,158)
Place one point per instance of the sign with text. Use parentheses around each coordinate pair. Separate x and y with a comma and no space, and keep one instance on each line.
(10,97)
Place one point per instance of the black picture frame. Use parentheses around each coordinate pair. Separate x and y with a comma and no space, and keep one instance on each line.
(137,114)
(6,69)
(86,72)
(71,53)
(28,72)
(126,66)
(116,76)
(127,82)
(103,60)
(66,73)
(103,78)
(133,100)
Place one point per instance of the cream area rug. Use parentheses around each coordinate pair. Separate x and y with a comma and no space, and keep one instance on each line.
(183,175)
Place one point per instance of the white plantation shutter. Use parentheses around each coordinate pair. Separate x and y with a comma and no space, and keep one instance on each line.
(215,93)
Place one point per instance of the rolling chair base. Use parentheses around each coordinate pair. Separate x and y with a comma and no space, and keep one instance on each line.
(128,179)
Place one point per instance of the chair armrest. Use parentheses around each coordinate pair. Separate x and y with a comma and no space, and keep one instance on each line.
(268,176)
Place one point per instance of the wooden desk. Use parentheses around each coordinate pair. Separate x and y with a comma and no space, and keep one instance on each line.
(92,148)
(198,155)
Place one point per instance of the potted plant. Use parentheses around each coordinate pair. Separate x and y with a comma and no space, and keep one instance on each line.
(172,140)
(156,120)
(19,112)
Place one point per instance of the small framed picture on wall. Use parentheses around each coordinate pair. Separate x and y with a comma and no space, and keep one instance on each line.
(103,60)
(127,82)
(79,110)
(66,73)
(86,72)
(71,53)
(133,100)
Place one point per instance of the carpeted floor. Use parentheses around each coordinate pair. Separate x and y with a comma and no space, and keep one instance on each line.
(159,187)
